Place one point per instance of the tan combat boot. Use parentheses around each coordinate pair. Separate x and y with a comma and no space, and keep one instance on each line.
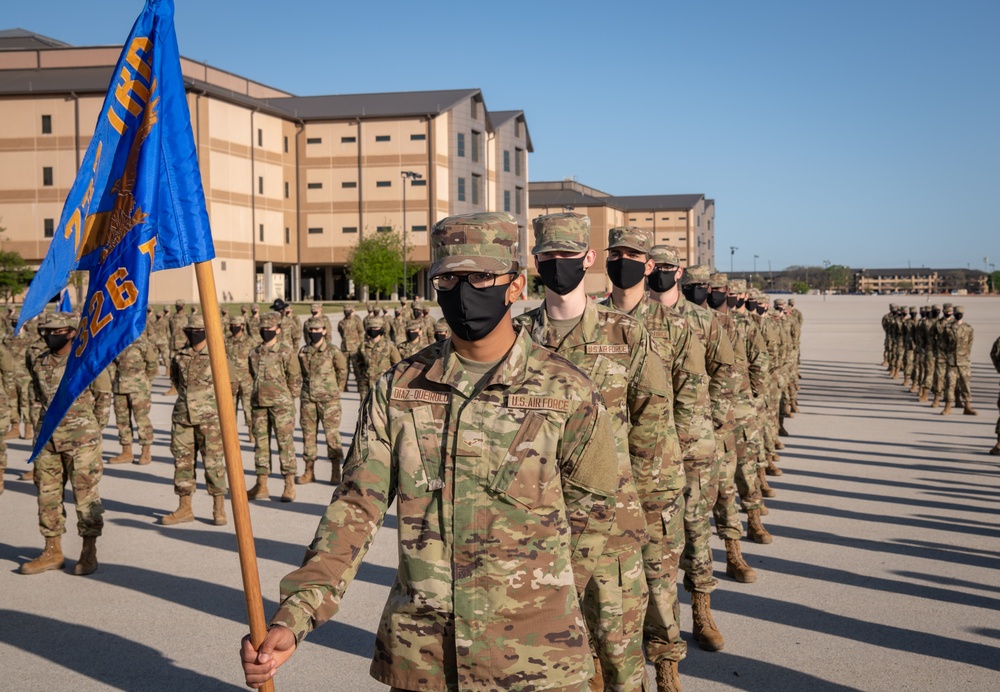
(13,433)
(87,564)
(597,682)
(219,510)
(914,387)
(125,457)
(736,566)
(29,432)
(906,380)
(778,444)
(308,476)
(289,493)
(764,511)
(922,395)
(181,515)
(28,475)
(969,411)
(773,470)
(765,489)
(172,391)
(947,409)
(704,630)
(755,528)
(147,455)
(51,558)
(996,449)
(259,491)
(795,406)
(937,400)
(667,678)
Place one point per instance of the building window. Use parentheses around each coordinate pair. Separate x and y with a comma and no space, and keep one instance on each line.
(519,200)
(383,138)
(348,183)
(288,235)
(461,189)
(316,231)
(345,229)
(260,185)
(475,110)
(476,143)
(518,161)
(50,228)
(418,229)
(46,124)
(47,176)
(286,145)
(418,183)
(461,144)
(383,183)
(506,161)
(517,127)
(649,218)
(348,140)
(418,138)
(506,200)
(260,137)
(665,218)
(476,181)
(384,229)
(682,218)
(314,140)
(286,189)
(260,231)
(314,186)
(699,222)
(222,265)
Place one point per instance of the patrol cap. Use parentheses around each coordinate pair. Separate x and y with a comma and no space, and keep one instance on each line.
(244,308)
(779,302)
(237,320)
(791,301)
(892,306)
(935,307)
(348,308)
(270,320)
(415,324)
(315,323)
(481,242)
(316,306)
(665,254)
(195,322)
(60,320)
(374,323)
(959,308)
(947,307)
(698,274)
(179,302)
(442,325)
(718,280)
(566,232)
(763,297)
(631,237)
(738,286)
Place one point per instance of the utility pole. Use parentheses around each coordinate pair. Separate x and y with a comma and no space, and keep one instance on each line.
(732,252)
(406,175)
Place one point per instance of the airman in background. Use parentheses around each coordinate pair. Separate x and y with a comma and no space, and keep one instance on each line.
(324,376)
(316,310)
(959,359)
(377,354)
(7,375)
(238,346)
(19,391)
(352,335)
(441,330)
(995,357)
(134,370)
(413,338)
(176,325)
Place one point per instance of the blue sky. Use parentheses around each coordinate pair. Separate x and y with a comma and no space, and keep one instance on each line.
(863,132)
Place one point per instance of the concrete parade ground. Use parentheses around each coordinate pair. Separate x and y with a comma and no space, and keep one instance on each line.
(884,573)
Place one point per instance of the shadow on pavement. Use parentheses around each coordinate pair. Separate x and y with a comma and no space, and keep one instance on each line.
(742,673)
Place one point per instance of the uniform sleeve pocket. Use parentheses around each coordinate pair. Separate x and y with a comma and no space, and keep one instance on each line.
(527,473)
(420,459)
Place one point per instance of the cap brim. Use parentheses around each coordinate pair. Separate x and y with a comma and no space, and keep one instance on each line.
(470,263)
(629,246)
(560,246)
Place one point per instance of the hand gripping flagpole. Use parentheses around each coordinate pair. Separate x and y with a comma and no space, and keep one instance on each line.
(234,458)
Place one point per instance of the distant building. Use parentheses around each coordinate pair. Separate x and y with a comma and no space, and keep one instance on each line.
(685,221)
(291,182)
(919,281)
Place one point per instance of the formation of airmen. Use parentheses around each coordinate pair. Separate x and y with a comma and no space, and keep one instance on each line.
(930,348)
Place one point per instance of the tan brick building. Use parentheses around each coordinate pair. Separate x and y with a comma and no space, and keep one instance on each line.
(291,182)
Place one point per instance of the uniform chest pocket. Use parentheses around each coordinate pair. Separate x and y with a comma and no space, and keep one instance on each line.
(418,441)
(528,472)
(610,378)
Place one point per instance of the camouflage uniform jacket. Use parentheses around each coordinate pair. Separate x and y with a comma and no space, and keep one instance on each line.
(352,333)
(409,348)
(178,320)
(277,376)
(743,406)
(797,314)
(135,367)
(719,357)
(158,333)
(18,347)
(758,359)
(238,352)
(397,329)
(503,490)
(253,326)
(290,328)
(929,335)
(7,373)
(191,375)
(324,372)
(769,332)
(961,342)
(326,323)
(615,351)
(906,329)
(995,354)
(86,417)
(941,329)
(378,357)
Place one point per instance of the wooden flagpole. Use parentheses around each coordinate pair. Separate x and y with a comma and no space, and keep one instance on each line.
(234,458)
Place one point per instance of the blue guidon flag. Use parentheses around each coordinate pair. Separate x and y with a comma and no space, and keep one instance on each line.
(136,206)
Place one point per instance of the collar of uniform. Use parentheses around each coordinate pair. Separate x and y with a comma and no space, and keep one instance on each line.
(586,332)
(681,301)
(447,369)
(273,347)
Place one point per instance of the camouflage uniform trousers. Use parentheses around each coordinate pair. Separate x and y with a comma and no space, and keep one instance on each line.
(281,421)
(940,374)
(908,363)
(162,349)
(19,400)
(696,560)
(661,628)
(4,425)
(242,386)
(355,366)
(747,456)
(188,440)
(956,386)
(137,406)
(82,467)
(312,413)
(614,603)
(725,511)
(929,361)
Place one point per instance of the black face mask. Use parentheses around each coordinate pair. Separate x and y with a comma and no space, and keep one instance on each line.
(235,331)
(373,333)
(761,309)
(440,336)
(560,275)
(959,315)
(734,302)
(662,281)
(473,313)
(195,336)
(716,299)
(268,334)
(626,273)
(751,306)
(696,293)
(412,336)
(314,337)
(55,342)
(935,314)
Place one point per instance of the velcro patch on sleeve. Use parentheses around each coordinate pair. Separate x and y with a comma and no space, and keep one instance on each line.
(539,403)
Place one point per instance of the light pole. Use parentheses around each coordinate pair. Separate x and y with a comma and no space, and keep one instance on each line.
(755,258)
(406,175)
(732,252)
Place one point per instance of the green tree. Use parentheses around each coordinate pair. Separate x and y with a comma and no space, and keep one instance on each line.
(377,262)
(15,275)
(800,287)
(838,276)
(995,282)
